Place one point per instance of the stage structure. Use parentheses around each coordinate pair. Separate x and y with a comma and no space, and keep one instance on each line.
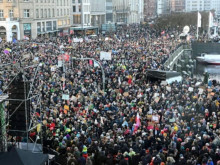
(23,105)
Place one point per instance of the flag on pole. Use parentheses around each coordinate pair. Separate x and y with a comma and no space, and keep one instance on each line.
(210,19)
(138,121)
(199,21)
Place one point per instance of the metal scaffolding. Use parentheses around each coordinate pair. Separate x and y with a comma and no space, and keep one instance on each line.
(28,96)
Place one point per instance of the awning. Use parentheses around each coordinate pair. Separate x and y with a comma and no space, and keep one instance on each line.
(84,28)
(160,74)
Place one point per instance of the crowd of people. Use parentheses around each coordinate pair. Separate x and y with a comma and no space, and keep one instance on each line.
(134,120)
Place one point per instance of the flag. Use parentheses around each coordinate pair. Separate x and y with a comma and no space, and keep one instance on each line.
(138,122)
(14,41)
(199,20)
(26,38)
(210,19)
(91,62)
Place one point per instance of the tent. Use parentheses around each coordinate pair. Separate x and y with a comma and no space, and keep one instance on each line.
(168,76)
(22,157)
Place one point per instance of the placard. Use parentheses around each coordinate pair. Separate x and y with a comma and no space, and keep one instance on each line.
(155,118)
(65,97)
(105,56)
(60,63)
(168,88)
(77,40)
(200,91)
(190,89)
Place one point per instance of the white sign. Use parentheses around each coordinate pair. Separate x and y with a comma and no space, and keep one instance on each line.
(60,63)
(168,89)
(77,40)
(190,89)
(200,91)
(36,58)
(53,68)
(105,56)
(65,97)
(155,118)
(96,64)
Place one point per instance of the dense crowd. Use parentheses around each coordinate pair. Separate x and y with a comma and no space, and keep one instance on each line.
(179,122)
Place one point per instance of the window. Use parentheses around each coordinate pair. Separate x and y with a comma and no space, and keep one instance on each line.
(45,13)
(73,1)
(26,0)
(11,13)
(79,1)
(1,14)
(42,13)
(26,13)
(49,14)
(37,13)
(74,8)
(53,12)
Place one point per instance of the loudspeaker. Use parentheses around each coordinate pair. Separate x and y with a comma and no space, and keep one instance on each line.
(18,91)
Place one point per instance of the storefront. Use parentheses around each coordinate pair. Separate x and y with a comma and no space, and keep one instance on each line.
(64,32)
(81,31)
(2,33)
(27,30)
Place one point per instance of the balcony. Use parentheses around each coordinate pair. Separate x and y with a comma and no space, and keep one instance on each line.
(14,19)
(9,19)
(2,19)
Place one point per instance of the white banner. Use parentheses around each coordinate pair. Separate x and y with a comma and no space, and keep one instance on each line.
(210,19)
(199,21)
(60,63)
(77,40)
(105,56)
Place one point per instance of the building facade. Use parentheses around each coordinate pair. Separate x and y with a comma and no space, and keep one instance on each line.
(177,5)
(81,12)
(98,12)
(194,5)
(35,18)
(150,9)
(163,7)
(109,11)
(128,11)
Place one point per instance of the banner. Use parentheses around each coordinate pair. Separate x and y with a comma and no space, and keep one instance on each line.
(77,40)
(199,21)
(210,19)
(105,56)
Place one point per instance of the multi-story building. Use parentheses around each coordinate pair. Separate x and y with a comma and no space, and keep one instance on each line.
(128,11)
(32,18)
(81,12)
(98,12)
(150,9)
(194,5)
(163,7)
(177,5)
(109,11)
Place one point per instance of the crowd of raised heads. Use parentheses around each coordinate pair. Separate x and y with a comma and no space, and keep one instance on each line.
(134,121)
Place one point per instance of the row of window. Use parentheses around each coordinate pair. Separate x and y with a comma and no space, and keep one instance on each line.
(40,13)
(10,13)
(59,2)
(45,13)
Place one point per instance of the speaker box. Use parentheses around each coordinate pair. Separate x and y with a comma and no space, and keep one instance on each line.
(18,91)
